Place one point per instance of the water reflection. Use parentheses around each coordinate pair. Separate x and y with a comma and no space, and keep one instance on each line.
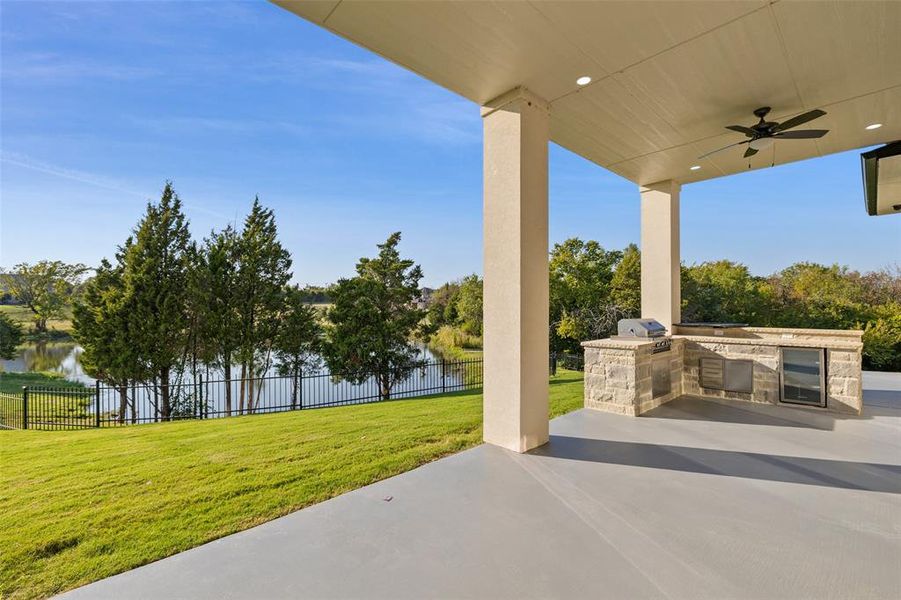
(56,357)
(65,358)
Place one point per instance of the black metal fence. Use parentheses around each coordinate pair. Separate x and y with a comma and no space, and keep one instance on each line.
(105,405)
(571,362)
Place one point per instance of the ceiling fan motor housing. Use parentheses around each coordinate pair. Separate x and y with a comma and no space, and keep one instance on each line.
(762,134)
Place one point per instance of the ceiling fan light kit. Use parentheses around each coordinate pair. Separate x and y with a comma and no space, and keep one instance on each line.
(764,133)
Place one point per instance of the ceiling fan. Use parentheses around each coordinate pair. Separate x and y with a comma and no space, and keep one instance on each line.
(764,133)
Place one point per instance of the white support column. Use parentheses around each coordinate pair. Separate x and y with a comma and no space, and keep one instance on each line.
(516,271)
(661,295)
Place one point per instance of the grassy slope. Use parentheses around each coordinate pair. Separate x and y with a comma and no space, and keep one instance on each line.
(13,382)
(79,506)
(24,316)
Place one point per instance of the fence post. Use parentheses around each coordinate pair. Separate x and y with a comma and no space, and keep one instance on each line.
(443,376)
(24,407)
(300,389)
(553,363)
(200,396)
(97,403)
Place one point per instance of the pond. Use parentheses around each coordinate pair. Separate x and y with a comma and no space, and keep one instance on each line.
(64,358)
(208,395)
(57,357)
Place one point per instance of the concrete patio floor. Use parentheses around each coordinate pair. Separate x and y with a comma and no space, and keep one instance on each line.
(697,499)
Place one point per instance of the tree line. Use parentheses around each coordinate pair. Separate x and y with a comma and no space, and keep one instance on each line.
(591,288)
(167,307)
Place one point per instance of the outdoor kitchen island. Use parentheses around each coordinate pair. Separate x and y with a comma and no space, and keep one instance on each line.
(643,368)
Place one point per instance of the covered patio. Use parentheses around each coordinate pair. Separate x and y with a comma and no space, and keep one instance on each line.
(648,91)
(696,499)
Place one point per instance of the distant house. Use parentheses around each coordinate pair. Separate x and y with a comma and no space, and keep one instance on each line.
(425,298)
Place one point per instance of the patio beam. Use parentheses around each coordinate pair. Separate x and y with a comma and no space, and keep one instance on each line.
(516,270)
(661,294)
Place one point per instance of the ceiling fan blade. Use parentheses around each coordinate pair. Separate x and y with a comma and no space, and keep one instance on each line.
(804,134)
(724,148)
(742,129)
(800,120)
(750,152)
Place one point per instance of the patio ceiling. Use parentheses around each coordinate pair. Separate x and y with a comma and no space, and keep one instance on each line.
(666,78)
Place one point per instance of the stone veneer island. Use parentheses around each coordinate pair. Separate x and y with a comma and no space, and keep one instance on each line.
(627,376)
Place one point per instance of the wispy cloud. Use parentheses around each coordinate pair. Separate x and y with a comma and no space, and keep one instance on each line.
(26,162)
(219,124)
(400,104)
(93,179)
(44,67)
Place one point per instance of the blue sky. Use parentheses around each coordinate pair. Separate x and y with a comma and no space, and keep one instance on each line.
(102,102)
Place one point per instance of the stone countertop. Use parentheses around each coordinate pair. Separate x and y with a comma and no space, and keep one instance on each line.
(620,343)
(639,343)
(853,346)
(802,331)
(712,325)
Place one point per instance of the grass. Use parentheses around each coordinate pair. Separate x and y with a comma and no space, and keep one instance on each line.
(453,343)
(13,382)
(57,328)
(82,505)
(67,402)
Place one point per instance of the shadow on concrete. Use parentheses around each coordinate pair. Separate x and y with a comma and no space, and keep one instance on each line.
(691,408)
(871,477)
(876,403)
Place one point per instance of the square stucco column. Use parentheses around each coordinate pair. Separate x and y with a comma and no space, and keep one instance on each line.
(516,271)
(661,295)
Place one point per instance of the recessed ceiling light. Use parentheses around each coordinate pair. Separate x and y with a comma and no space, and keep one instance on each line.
(874,126)
(584,80)
(695,168)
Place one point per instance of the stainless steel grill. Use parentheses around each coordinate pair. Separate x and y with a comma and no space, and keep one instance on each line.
(645,328)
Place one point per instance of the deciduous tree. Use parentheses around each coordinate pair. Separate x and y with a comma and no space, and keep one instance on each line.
(723,291)
(46,288)
(625,285)
(469,304)
(580,277)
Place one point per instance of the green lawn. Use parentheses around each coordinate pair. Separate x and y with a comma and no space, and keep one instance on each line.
(13,382)
(59,328)
(60,405)
(82,505)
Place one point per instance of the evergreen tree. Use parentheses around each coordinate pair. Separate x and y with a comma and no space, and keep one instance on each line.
(11,335)
(156,269)
(102,323)
(216,292)
(264,268)
(373,318)
(297,340)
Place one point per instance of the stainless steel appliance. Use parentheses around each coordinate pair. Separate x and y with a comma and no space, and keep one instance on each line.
(803,376)
(644,328)
(731,375)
